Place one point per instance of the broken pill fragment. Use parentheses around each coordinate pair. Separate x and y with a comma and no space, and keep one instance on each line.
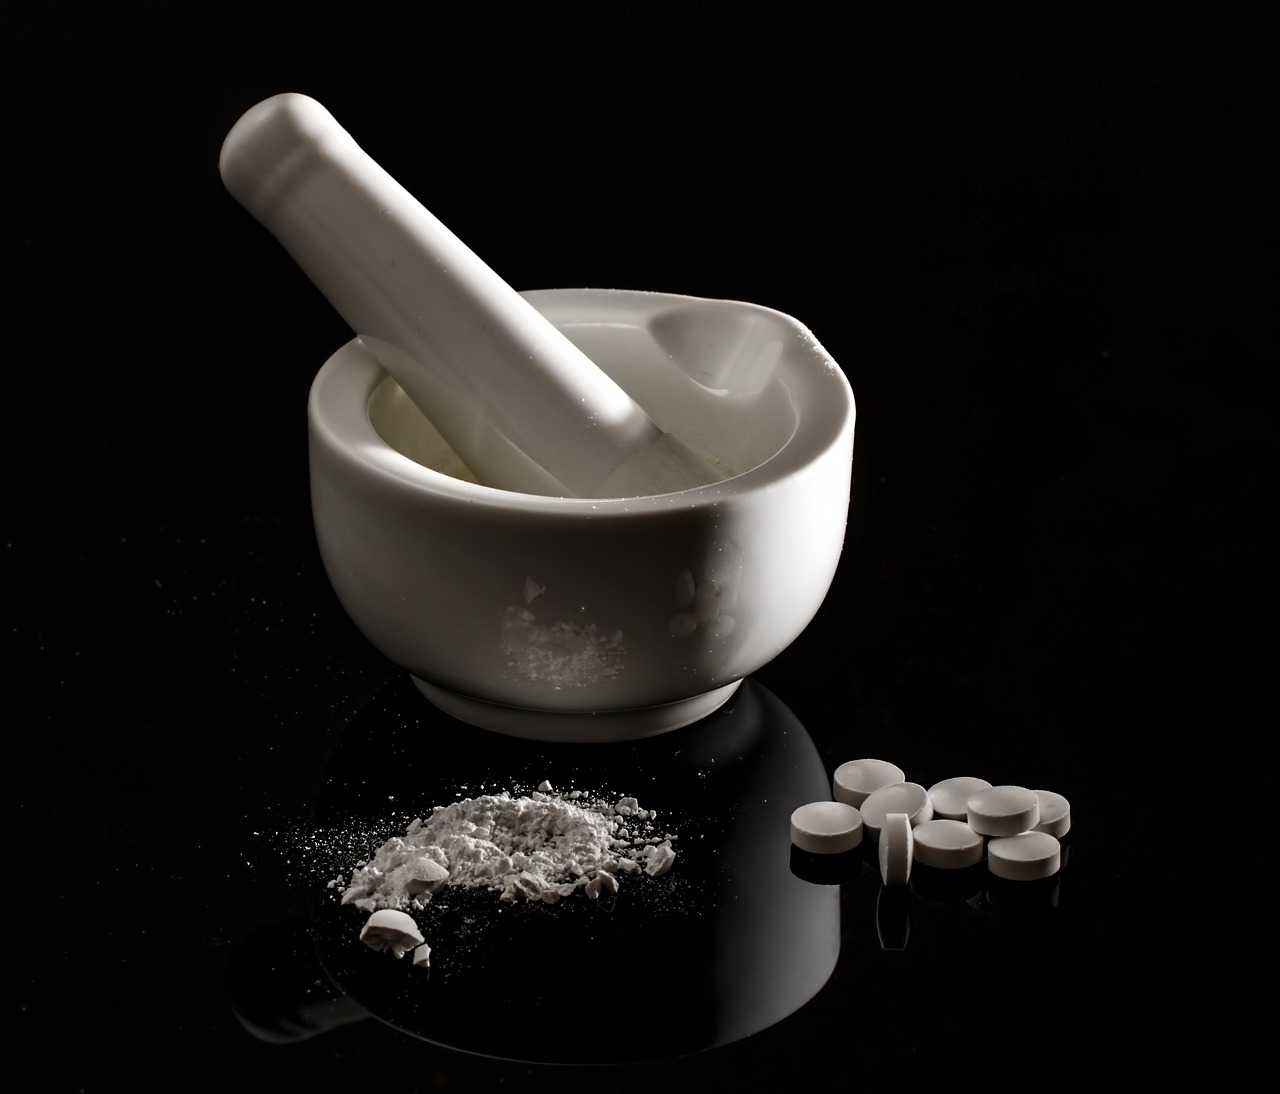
(428,877)
(661,858)
(603,882)
(388,929)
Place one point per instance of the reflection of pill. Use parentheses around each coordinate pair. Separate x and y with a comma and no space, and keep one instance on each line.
(826,828)
(854,780)
(946,844)
(895,849)
(951,796)
(909,798)
(1024,857)
(1055,813)
(1003,810)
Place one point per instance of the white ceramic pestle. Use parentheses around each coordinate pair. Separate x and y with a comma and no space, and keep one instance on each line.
(522,406)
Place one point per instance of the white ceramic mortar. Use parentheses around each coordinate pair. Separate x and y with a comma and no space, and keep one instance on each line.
(576,619)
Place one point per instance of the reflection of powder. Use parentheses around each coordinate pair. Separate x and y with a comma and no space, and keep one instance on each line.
(563,655)
(541,847)
(709,603)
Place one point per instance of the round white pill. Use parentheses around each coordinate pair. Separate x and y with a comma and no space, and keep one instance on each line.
(1003,811)
(947,844)
(854,780)
(895,849)
(909,798)
(951,796)
(1024,857)
(826,828)
(1055,814)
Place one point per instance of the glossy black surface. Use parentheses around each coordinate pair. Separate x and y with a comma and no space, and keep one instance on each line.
(731,943)
(1038,238)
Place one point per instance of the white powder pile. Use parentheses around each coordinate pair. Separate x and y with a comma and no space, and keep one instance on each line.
(538,847)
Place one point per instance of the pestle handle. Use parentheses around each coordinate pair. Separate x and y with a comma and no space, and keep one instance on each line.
(497,379)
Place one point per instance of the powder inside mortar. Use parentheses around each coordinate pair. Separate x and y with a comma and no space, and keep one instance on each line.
(539,847)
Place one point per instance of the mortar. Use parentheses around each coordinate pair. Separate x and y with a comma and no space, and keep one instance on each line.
(577,619)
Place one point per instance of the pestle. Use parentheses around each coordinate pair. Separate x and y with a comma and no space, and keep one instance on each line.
(522,406)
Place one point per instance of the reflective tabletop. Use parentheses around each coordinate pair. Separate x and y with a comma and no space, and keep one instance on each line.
(1030,239)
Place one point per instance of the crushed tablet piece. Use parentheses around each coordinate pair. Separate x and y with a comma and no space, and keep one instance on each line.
(427,876)
(422,956)
(603,882)
(658,859)
(391,930)
(1003,811)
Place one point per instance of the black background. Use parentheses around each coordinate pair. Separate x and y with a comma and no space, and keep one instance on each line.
(1040,240)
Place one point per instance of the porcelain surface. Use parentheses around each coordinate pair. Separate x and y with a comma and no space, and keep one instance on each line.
(595,619)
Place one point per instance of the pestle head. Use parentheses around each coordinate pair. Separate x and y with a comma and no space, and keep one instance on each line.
(519,402)
(268,139)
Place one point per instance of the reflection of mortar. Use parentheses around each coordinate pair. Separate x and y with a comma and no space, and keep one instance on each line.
(588,619)
(727,943)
